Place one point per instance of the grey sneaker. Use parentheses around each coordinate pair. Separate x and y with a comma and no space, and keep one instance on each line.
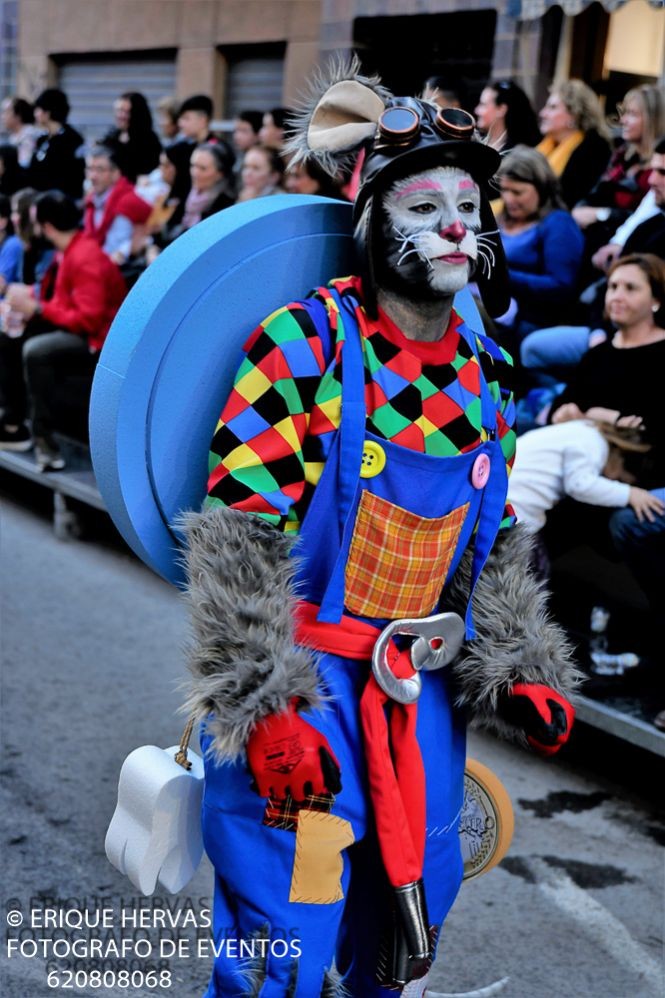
(47,454)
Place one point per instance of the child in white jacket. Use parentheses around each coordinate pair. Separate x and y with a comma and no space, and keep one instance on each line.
(581,459)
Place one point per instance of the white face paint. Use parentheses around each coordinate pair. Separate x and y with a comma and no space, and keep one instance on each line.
(431,223)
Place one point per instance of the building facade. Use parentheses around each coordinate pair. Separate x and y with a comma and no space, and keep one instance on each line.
(259,53)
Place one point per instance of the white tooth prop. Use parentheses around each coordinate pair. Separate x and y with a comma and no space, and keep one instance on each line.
(419,989)
(155,832)
(486,992)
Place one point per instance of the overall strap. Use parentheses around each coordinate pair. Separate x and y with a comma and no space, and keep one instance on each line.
(318,313)
(351,443)
(490,515)
(487,403)
(353,419)
(493,501)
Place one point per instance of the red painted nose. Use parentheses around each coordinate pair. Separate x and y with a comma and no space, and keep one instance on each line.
(455,232)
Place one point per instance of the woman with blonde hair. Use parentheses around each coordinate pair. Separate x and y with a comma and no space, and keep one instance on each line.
(625,181)
(575,138)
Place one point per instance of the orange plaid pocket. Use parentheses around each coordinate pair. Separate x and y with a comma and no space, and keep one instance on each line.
(398,562)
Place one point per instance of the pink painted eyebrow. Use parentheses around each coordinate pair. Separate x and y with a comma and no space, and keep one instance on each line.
(466,185)
(419,185)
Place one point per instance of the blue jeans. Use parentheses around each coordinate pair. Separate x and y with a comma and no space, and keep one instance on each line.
(642,546)
(546,351)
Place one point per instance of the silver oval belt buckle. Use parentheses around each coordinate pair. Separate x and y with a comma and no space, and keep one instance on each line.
(438,639)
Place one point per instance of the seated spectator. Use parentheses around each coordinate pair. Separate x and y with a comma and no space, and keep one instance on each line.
(640,541)
(114,215)
(585,460)
(37,252)
(505,116)
(543,244)
(132,141)
(549,352)
(619,381)
(18,121)
(12,176)
(66,328)
(57,162)
(246,127)
(11,250)
(262,173)
(211,172)
(194,120)
(272,133)
(625,182)
(576,140)
(307,177)
(635,235)
(168,110)
(170,189)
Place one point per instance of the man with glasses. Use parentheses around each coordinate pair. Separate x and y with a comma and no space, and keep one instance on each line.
(113,214)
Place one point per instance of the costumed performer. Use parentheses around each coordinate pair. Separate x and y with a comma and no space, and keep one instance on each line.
(359,477)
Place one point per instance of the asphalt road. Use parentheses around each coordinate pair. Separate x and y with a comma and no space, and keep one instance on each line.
(91,658)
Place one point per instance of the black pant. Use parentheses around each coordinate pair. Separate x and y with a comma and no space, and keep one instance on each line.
(47,376)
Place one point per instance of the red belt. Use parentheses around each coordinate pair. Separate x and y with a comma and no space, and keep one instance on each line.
(394,764)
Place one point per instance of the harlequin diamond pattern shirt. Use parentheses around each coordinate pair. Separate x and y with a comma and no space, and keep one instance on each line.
(278,425)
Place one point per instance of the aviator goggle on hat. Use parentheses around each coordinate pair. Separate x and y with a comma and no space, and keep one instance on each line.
(401,136)
(413,136)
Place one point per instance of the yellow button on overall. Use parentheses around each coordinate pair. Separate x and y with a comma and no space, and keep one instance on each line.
(373,460)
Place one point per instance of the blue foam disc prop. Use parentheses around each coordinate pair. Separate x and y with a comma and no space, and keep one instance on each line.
(171,355)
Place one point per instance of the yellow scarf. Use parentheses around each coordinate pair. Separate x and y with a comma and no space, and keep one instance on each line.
(558,155)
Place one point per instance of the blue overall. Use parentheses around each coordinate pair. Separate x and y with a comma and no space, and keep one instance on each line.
(254,863)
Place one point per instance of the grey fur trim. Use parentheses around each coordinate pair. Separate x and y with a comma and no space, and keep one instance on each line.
(297,148)
(243,660)
(253,970)
(333,986)
(517,642)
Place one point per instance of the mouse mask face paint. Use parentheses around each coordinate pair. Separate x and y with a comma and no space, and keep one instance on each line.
(431,232)
(404,140)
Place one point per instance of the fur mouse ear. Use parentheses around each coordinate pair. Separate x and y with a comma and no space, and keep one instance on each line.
(339,114)
(344,118)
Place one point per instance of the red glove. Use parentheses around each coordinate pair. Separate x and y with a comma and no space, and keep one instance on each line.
(286,755)
(543,714)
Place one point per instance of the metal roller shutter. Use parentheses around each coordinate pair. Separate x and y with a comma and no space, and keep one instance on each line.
(93,83)
(254,82)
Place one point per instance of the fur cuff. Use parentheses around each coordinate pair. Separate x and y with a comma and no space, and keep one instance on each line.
(517,640)
(243,660)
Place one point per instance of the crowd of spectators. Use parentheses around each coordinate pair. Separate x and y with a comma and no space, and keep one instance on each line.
(578,195)
(80,221)
(582,220)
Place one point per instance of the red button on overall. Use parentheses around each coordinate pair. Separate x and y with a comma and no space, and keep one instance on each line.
(480,471)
